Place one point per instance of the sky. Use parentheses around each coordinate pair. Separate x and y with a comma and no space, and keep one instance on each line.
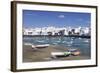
(33,18)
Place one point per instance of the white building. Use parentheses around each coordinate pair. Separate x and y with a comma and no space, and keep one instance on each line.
(54,30)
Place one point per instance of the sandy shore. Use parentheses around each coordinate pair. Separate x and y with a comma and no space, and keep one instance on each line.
(44,54)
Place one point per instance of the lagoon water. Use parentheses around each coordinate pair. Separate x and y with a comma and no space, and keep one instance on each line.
(83,44)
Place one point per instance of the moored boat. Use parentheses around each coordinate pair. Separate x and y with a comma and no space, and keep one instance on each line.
(60,54)
(74,52)
(40,46)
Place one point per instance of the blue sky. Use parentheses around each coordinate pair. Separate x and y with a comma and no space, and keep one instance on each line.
(32,18)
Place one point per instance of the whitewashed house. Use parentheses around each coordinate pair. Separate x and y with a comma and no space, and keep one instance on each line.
(55,31)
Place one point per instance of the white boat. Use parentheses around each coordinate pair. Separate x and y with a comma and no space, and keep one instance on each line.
(40,46)
(74,52)
(60,54)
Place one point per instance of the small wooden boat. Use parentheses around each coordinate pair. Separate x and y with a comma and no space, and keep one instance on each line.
(60,54)
(74,52)
(40,46)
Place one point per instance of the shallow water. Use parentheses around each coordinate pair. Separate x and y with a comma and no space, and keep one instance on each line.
(83,44)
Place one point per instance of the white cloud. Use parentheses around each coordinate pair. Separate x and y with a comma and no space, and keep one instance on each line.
(61,16)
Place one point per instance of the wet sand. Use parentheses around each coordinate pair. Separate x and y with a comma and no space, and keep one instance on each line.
(44,54)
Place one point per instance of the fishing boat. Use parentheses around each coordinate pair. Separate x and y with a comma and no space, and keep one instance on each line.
(40,46)
(74,52)
(60,54)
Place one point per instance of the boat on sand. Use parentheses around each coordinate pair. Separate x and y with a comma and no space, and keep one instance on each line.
(40,46)
(69,52)
(74,52)
(60,54)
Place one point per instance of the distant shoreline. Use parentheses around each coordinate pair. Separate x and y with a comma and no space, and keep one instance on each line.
(76,36)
